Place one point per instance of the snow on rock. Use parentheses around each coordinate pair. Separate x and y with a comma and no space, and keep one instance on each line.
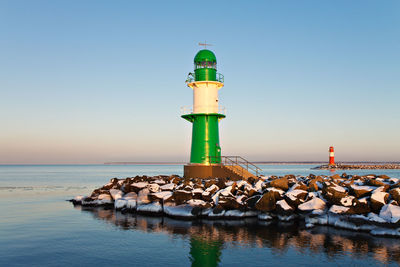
(390,213)
(154,207)
(239,214)
(116,194)
(163,195)
(168,187)
(153,188)
(313,204)
(274,189)
(104,199)
(347,201)
(338,209)
(143,196)
(196,202)
(179,211)
(282,204)
(120,203)
(139,186)
(265,217)
(258,185)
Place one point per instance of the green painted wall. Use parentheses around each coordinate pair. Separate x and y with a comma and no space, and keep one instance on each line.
(205,138)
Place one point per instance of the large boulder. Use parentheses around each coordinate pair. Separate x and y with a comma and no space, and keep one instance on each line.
(268,201)
(116,194)
(281,183)
(283,208)
(153,188)
(334,193)
(181,196)
(295,197)
(136,187)
(378,200)
(313,204)
(228,202)
(209,192)
(361,191)
(390,213)
(395,194)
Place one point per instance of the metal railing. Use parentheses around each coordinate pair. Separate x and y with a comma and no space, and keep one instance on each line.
(189,110)
(191,78)
(235,161)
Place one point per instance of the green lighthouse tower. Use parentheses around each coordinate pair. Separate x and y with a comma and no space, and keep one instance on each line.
(206,114)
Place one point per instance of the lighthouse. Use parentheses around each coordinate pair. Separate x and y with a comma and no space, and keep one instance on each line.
(205,115)
(331,156)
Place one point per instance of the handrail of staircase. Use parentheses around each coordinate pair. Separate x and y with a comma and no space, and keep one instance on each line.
(239,161)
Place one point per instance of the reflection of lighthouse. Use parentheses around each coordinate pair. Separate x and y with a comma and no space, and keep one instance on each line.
(205,117)
(331,156)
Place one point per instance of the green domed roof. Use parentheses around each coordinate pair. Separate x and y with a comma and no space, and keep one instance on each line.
(205,55)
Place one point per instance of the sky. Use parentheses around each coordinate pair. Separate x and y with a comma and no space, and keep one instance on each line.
(103,81)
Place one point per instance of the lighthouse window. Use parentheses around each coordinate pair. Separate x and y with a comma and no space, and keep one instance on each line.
(205,64)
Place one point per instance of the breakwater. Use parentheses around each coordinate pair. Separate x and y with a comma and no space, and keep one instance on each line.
(359,167)
(361,203)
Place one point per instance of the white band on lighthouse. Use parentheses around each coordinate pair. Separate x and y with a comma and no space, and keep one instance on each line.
(331,154)
(205,96)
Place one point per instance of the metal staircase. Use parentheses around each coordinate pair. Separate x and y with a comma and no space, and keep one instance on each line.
(239,168)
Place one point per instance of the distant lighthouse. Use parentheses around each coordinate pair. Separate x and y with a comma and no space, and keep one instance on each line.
(205,116)
(331,156)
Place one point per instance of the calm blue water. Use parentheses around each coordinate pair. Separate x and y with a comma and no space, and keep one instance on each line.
(38,227)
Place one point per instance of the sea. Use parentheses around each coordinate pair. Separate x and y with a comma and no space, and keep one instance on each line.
(39,227)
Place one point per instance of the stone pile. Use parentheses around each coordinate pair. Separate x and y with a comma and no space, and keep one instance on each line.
(389,166)
(368,203)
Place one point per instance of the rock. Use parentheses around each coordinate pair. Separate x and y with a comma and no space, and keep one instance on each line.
(199,203)
(107,186)
(383,176)
(283,208)
(267,202)
(334,194)
(347,201)
(153,188)
(313,204)
(361,191)
(104,199)
(143,197)
(390,213)
(336,177)
(395,194)
(281,183)
(250,202)
(228,202)
(181,196)
(296,197)
(336,209)
(116,194)
(163,196)
(359,206)
(315,184)
(209,192)
(197,193)
(136,187)
(168,187)
(378,200)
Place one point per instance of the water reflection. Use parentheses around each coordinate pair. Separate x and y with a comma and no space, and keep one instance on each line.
(209,238)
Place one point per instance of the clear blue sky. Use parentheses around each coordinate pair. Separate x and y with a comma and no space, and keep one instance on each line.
(97,81)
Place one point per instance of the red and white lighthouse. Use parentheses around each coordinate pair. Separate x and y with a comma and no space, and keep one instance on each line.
(331,156)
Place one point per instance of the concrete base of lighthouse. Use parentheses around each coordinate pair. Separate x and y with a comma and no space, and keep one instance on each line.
(204,171)
(214,171)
